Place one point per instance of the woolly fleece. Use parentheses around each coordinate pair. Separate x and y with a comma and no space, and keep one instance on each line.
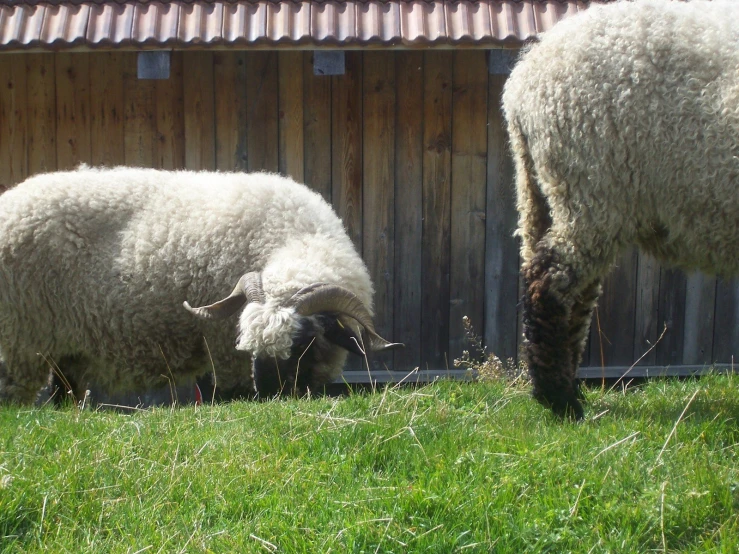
(96,263)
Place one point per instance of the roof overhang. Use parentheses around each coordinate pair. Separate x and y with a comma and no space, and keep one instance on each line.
(289,24)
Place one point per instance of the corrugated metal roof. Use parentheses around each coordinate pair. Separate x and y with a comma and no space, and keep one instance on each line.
(291,23)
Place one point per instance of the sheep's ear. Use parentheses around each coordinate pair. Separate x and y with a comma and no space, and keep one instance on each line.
(340,332)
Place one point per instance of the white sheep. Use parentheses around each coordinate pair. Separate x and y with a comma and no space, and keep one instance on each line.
(95,265)
(624,127)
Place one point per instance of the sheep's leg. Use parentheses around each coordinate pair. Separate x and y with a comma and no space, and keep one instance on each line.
(549,301)
(21,380)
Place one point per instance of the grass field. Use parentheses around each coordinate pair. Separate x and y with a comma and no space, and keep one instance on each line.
(450,467)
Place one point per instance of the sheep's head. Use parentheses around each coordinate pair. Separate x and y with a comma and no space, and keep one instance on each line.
(300,344)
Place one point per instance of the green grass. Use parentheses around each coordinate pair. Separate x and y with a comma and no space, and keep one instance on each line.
(451,467)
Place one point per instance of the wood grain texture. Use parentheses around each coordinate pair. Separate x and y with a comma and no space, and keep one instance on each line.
(469,177)
(672,288)
(230,111)
(726,323)
(291,115)
(700,308)
(378,177)
(41,105)
(647,324)
(139,116)
(612,333)
(170,117)
(317,103)
(346,146)
(408,209)
(199,101)
(107,108)
(72,109)
(437,155)
(501,248)
(261,111)
(13,121)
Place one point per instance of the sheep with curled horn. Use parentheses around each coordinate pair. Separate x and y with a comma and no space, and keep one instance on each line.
(624,129)
(96,265)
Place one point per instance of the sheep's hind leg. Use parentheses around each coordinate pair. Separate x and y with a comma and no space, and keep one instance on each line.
(549,300)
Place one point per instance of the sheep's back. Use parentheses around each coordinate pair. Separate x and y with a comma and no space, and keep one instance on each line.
(630,113)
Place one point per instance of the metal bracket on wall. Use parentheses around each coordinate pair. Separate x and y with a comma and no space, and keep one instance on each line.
(153,64)
(329,62)
(501,61)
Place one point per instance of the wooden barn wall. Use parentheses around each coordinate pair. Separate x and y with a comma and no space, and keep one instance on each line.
(410,150)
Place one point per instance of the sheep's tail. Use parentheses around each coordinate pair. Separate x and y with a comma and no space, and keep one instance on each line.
(534,218)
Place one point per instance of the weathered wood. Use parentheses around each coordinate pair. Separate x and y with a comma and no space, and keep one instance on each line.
(501,248)
(13,121)
(316,130)
(437,137)
(625,373)
(378,233)
(106,109)
(700,306)
(41,105)
(139,116)
(612,333)
(72,109)
(199,100)
(291,121)
(408,208)
(346,146)
(672,285)
(647,324)
(469,176)
(231,111)
(170,118)
(262,111)
(726,323)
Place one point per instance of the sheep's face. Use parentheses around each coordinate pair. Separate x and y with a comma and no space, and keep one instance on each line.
(317,354)
(300,343)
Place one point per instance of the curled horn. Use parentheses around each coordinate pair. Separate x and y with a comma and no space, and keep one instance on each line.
(248,289)
(322,297)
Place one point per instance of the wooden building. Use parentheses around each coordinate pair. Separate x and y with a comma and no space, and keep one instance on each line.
(389,108)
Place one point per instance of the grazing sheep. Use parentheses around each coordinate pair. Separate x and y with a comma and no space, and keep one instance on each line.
(95,265)
(624,127)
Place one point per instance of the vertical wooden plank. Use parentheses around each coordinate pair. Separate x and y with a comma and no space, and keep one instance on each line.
(291,121)
(346,145)
(199,100)
(13,120)
(262,102)
(139,116)
(501,248)
(672,286)
(230,111)
(170,117)
(647,325)
(437,136)
(469,176)
(612,331)
(317,129)
(41,113)
(378,187)
(726,323)
(700,306)
(408,208)
(72,109)
(106,109)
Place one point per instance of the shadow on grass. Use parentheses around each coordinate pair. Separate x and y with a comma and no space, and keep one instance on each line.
(643,399)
